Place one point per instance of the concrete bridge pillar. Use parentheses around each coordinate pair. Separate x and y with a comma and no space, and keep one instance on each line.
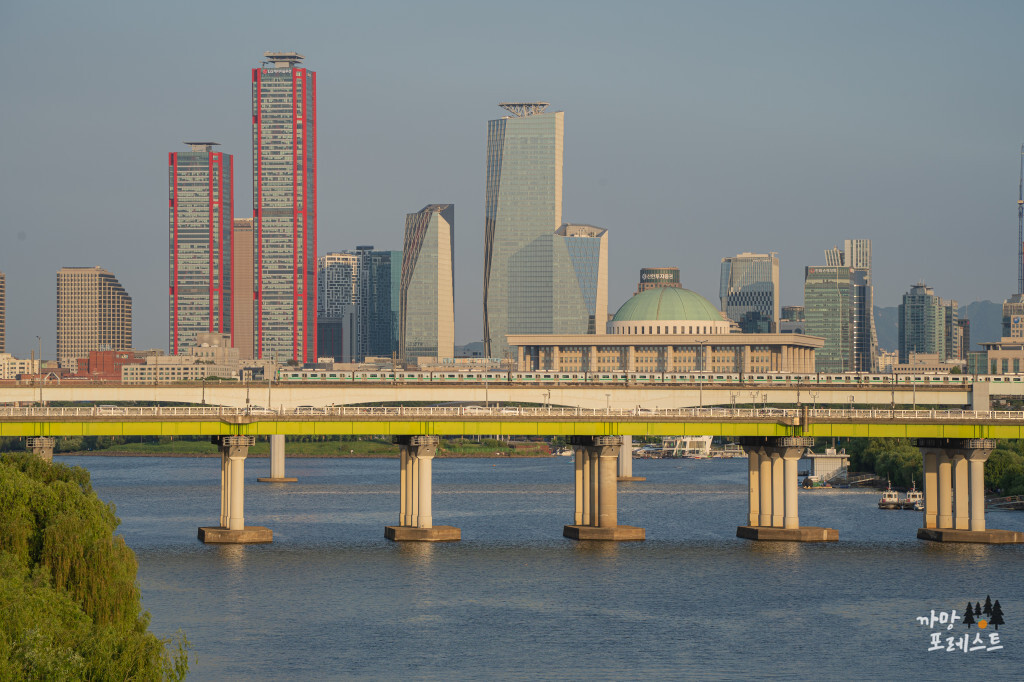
(232,528)
(277,462)
(415,517)
(626,461)
(954,481)
(773,493)
(596,515)
(41,447)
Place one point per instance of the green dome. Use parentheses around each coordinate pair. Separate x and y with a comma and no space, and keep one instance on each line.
(667,303)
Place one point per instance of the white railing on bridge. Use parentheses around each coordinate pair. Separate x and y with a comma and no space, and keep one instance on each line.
(509,413)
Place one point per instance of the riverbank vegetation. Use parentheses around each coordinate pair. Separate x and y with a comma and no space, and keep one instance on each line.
(71,608)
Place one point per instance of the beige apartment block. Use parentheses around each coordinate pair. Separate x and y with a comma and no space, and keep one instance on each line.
(94,312)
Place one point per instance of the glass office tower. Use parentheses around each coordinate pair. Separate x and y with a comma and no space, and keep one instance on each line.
(338,286)
(530,285)
(427,284)
(837,304)
(284,207)
(200,186)
(749,291)
(588,252)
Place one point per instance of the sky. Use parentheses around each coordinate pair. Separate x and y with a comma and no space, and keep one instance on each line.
(693,131)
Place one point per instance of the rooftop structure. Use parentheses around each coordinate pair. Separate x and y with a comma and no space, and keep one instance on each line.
(519,109)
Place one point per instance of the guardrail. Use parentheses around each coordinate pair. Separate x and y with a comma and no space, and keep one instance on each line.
(512,413)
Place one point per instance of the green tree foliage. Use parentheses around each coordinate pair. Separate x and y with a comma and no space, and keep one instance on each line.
(896,459)
(71,607)
(1004,470)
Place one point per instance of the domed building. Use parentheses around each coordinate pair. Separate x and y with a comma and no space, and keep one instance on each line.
(666,329)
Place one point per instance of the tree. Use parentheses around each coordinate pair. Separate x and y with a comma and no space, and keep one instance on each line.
(897,460)
(968,616)
(997,615)
(977,610)
(987,609)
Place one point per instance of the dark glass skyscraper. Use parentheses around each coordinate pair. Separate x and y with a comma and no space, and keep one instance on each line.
(200,217)
(284,207)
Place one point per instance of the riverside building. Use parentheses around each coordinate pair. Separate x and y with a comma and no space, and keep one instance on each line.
(284,208)
(651,278)
(666,330)
(94,312)
(530,283)
(427,285)
(200,223)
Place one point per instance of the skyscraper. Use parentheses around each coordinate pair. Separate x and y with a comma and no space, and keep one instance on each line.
(241,288)
(530,285)
(200,187)
(3,313)
(378,302)
(749,289)
(834,308)
(427,285)
(338,289)
(922,323)
(284,207)
(94,312)
(588,252)
(856,253)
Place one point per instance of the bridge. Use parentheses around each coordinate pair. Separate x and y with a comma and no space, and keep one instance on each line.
(627,394)
(954,445)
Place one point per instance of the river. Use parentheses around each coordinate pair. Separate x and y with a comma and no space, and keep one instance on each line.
(331,598)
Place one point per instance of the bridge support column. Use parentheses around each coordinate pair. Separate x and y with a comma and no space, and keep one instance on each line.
(232,529)
(597,516)
(773,508)
(626,461)
(415,518)
(41,447)
(277,462)
(960,485)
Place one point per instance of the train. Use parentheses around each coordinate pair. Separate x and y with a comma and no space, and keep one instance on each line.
(636,378)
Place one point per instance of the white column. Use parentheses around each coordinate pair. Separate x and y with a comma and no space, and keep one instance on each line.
(778,504)
(977,468)
(764,517)
(753,486)
(277,456)
(587,494)
(412,515)
(424,458)
(960,496)
(595,484)
(931,488)
(580,471)
(945,492)
(225,488)
(237,519)
(626,457)
(608,515)
(791,520)
(403,485)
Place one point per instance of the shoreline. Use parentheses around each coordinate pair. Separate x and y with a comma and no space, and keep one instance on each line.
(292,455)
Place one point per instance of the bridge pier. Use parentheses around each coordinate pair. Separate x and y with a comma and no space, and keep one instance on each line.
(415,518)
(626,461)
(596,510)
(232,529)
(41,447)
(773,494)
(277,462)
(954,492)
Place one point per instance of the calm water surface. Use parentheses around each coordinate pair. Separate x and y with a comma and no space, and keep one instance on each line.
(331,598)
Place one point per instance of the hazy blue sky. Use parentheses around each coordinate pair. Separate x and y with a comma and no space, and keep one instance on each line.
(693,131)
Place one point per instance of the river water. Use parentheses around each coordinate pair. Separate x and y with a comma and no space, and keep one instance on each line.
(331,598)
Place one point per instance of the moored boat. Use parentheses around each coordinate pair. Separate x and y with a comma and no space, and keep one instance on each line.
(890,499)
(914,499)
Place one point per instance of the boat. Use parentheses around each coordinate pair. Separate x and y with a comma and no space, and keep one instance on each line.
(890,499)
(914,499)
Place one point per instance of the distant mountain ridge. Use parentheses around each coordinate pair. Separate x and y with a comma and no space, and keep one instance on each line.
(986,324)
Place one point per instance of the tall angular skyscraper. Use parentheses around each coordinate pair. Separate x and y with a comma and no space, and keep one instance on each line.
(3,313)
(242,253)
(588,252)
(427,287)
(284,207)
(749,290)
(200,223)
(530,285)
(94,312)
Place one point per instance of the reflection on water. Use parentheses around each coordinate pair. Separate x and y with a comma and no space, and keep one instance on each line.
(331,598)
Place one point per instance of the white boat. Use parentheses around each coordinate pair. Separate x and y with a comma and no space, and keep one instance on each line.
(914,499)
(890,499)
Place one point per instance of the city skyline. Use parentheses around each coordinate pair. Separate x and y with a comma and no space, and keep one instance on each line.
(835,145)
